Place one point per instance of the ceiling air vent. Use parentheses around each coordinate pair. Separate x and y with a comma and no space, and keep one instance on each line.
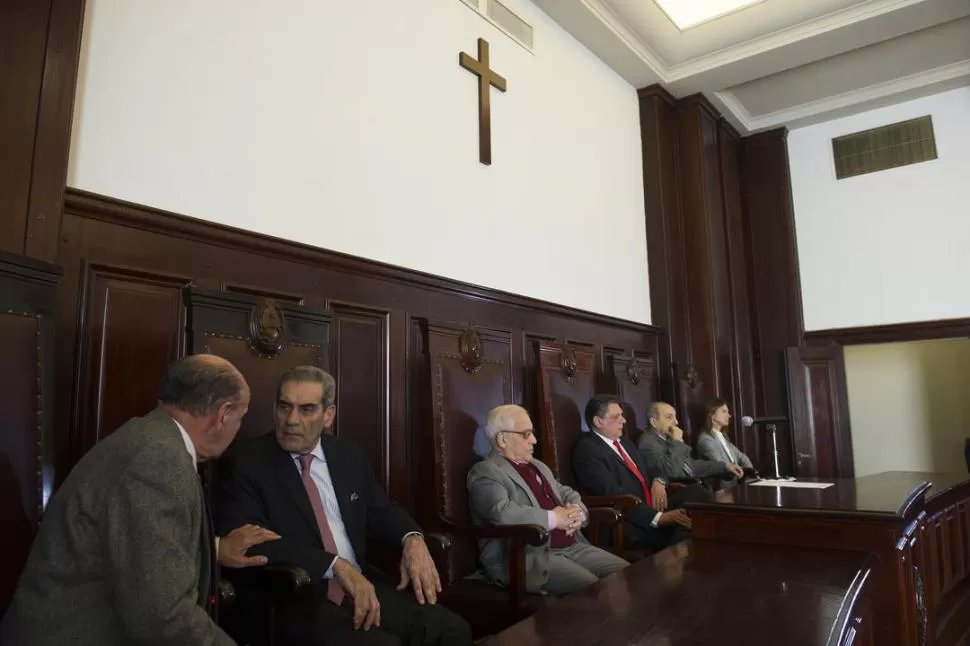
(505,19)
(898,144)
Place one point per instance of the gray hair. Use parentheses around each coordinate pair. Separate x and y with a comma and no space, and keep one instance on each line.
(501,418)
(199,384)
(314,375)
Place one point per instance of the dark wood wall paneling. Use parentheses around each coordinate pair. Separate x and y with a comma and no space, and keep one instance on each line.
(121,319)
(40,42)
(714,203)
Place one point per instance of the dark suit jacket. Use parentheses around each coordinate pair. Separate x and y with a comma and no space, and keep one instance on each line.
(258,482)
(600,471)
(119,558)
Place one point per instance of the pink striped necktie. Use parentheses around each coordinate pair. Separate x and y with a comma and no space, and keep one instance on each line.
(334,592)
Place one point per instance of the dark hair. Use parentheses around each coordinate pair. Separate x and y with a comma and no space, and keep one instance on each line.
(597,407)
(199,384)
(709,409)
(311,374)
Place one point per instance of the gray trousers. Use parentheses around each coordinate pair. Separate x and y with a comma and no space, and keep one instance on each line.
(578,566)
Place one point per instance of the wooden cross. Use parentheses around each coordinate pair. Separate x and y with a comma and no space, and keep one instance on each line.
(486,77)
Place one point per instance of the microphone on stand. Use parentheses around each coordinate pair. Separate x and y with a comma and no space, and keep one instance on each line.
(770,423)
(747,421)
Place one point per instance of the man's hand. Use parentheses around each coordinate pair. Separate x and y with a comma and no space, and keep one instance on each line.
(675,517)
(676,433)
(233,547)
(658,493)
(568,517)
(736,471)
(367,609)
(417,568)
(577,516)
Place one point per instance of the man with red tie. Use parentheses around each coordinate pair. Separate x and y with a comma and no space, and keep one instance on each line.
(606,463)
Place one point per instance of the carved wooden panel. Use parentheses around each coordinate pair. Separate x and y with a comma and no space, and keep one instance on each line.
(636,384)
(132,329)
(530,372)
(26,408)
(262,338)
(566,382)
(360,356)
(819,419)
(470,371)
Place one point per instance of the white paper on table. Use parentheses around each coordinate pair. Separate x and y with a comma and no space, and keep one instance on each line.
(791,483)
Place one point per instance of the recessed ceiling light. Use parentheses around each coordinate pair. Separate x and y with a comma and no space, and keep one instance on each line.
(690,13)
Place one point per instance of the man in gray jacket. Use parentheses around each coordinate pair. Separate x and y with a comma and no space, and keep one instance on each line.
(125,554)
(511,487)
(664,450)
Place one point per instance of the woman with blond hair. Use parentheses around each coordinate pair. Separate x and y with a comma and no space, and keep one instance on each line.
(713,444)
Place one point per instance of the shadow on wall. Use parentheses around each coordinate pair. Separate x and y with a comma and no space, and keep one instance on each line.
(945,369)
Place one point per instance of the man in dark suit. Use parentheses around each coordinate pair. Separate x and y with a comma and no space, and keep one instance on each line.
(606,463)
(125,553)
(320,494)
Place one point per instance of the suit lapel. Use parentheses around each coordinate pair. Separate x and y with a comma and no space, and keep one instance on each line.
(288,475)
(506,467)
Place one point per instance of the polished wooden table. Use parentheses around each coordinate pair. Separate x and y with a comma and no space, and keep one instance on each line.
(916,524)
(709,593)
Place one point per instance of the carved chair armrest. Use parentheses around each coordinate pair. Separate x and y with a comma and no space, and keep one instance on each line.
(620,502)
(534,535)
(439,546)
(611,517)
(518,536)
(227,593)
(607,516)
(282,581)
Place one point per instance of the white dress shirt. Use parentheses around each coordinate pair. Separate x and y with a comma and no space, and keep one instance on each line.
(724,444)
(656,519)
(320,474)
(189,446)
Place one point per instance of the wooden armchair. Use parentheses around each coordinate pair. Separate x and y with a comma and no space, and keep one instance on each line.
(470,373)
(566,382)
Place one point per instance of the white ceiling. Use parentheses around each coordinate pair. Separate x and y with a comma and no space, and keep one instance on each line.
(782,62)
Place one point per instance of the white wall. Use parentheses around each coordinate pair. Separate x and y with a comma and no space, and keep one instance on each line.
(888,247)
(908,405)
(350,126)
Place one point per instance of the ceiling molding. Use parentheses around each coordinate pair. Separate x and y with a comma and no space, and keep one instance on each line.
(625,33)
(764,44)
(816,109)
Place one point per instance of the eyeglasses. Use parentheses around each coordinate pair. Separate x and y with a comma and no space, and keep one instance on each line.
(525,434)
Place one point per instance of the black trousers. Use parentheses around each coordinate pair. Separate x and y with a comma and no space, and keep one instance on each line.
(404,622)
(658,538)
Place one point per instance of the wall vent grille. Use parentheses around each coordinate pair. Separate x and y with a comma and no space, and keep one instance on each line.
(890,146)
(513,25)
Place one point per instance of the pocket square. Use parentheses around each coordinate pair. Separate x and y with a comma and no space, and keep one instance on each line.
(354,497)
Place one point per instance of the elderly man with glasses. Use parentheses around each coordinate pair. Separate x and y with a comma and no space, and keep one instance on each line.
(511,487)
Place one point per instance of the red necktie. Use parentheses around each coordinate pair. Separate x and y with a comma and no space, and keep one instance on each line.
(635,471)
(334,592)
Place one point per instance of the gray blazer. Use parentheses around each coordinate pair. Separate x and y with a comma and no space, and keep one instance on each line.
(669,457)
(710,448)
(498,495)
(118,558)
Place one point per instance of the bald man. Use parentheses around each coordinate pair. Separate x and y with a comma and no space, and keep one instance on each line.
(126,554)
(665,452)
